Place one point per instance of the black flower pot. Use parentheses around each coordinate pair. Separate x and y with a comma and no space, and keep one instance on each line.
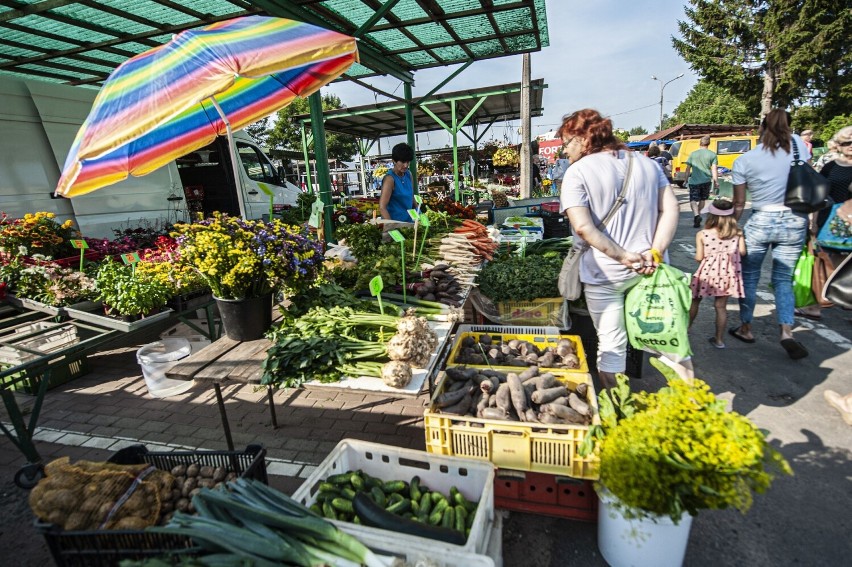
(246,319)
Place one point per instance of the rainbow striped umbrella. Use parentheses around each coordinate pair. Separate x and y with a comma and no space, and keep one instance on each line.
(177,98)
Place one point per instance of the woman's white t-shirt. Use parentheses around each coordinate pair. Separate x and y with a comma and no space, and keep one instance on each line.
(766,173)
(594,182)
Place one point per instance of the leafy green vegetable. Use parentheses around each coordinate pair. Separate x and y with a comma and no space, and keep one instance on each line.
(520,279)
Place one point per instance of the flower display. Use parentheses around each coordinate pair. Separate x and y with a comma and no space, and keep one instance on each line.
(165,264)
(128,292)
(679,450)
(241,259)
(348,215)
(451,207)
(46,282)
(37,233)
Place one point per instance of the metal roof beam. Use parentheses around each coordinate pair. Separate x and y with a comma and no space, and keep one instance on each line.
(374,89)
(380,13)
(452,76)
(444,17)
(30,9)
(370,56)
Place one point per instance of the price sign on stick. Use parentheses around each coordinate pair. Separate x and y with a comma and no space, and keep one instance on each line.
(424,220)
(130,258)
(376,287)
(398,237)
(82,246)
(414,217)
(316,214)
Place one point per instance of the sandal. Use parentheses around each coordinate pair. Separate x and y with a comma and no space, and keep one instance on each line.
(801,313)
(736,335)
(713,342)
(794,348)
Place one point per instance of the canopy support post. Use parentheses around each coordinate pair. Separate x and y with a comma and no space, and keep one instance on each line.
(323,173)
(234,162)
(305,142)
(409,132)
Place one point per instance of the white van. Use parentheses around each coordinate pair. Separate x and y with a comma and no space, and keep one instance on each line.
(39,121)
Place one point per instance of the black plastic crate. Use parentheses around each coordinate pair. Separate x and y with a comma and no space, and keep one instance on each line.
(583,326)
(556,226)
(108,548)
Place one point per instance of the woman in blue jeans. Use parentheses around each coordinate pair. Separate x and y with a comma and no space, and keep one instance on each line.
(772,227)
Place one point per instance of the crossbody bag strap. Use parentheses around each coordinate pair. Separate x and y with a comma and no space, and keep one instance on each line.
(795,150)
(620,199)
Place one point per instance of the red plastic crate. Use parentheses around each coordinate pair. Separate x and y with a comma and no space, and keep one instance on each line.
(550,207)
(546,494)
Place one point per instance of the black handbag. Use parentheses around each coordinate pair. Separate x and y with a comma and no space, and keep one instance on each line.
(807,189)
(838,288)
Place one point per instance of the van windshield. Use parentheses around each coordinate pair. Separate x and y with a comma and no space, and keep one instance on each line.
(675,149)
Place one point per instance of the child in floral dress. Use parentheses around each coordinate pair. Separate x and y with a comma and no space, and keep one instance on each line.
(719,248)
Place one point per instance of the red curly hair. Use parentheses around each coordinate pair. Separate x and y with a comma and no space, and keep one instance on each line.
(593,128)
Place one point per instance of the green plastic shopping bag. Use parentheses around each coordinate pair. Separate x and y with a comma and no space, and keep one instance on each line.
(803,277)
(657,312)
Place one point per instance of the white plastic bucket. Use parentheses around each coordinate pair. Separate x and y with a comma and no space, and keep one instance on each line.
(156,358)
(640,542)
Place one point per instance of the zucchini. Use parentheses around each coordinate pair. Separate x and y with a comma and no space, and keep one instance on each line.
(374,516)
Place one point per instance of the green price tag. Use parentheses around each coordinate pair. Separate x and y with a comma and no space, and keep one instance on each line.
(424,220)
(80,244)
(316,214)
(413,214)
(376,285)
(396,235)
(418,199)
(130,258)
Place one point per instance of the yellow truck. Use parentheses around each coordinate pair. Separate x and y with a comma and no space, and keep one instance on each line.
(727,148)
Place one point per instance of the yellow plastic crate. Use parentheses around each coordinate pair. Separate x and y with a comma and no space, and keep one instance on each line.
(546,311)
(514,445)
(542,337)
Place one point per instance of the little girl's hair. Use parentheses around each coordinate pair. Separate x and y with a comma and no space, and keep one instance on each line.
(726,225)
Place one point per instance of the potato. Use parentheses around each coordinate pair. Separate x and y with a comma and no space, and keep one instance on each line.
(188,486)
(193,470)
(182,505)
(206,483)
(219,474)
(193,493)
(231,476)
(130,523)
(167,506)
(177,493)
(179,470)
(56,517)
(62,499)
(205,472)
(571,361)
(76,521)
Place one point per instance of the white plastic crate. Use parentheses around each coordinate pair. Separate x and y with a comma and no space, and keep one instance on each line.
(474,479)
(50,337)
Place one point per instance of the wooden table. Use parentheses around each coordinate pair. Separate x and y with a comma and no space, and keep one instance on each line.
(227,359)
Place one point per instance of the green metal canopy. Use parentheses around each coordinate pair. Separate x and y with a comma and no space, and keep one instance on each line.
(502,103)
(79,42)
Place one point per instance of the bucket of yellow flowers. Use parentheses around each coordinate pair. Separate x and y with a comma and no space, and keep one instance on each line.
(663,457)
(244,262)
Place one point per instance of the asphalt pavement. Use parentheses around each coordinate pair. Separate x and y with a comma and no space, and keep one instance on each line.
(805,519)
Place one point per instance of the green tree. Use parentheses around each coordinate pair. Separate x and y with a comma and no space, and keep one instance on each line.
(707,103)
(832,126)
(638,131)
(621,134)
(259,131)
(287,132)
(772,53)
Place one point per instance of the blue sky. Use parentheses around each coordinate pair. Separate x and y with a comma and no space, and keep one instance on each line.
(601,55)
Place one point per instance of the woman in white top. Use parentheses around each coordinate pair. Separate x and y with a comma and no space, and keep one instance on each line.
(771,227)
(633,241)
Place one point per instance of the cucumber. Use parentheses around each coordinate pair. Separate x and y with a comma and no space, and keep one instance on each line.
(357,482)
(316,509)
(461,518)
(329,487)
(328,511)
(342,478)
(437,497)
(469,520)
(356,520)
(449,518)
(394,486)
(440,506)
(343,505)
(399,507)
(394,498)
(327,496)
(415,488)
(347,493)
(371,481)
(378,496)
(415,507)
(425,503)
(374,516)
(461,500)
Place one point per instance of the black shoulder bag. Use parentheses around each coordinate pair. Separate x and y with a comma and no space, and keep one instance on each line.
(807,189)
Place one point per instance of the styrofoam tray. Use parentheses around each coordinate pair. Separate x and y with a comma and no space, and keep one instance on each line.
(86,314)
(474,479)
(373,384)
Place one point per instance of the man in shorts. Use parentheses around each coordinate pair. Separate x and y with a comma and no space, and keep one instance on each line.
(701,170)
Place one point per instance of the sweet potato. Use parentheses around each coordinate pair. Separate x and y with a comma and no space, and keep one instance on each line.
(448,399)
(544,396)
(519,397)
(564,412)
(578,405)
(529,373)
(504,401)
(493,413)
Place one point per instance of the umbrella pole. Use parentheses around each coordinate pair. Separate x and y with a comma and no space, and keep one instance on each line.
(234,163)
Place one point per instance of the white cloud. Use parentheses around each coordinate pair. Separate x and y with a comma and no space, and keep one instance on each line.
(601,55)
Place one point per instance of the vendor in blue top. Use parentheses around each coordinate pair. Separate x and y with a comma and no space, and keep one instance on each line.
(398,186)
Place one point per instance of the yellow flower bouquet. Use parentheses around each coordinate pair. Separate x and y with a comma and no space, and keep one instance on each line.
(679,450)
(241,259)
